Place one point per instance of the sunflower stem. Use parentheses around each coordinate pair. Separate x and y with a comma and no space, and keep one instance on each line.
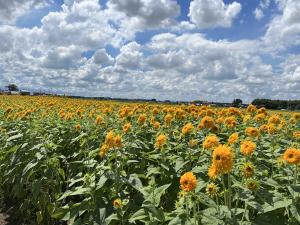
(229,191)
(296,175)
(245,209)
(225,190)
(218,207)
(195,213)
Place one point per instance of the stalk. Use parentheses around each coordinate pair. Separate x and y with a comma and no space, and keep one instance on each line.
(225,190)
(195,214)
(244,213)
(229,192)
(296,175)
(218,206)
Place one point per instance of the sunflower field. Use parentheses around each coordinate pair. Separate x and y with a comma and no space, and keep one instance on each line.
(77,162)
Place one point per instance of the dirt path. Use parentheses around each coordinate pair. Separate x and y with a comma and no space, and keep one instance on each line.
(3,219)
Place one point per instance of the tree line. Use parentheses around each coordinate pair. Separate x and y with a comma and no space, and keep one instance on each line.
(277,104)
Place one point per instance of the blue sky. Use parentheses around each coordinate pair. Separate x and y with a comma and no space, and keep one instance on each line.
(164,49)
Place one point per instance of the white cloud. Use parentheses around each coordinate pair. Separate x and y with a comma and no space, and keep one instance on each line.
(62,58)
(258,13)
(102,58)
(10,10)
(284,29)
(177,63)
(210,14)
(130,56)
(148,13)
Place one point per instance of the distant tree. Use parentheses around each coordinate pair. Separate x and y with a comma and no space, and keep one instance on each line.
(277,104)
(12,87)
(237,102)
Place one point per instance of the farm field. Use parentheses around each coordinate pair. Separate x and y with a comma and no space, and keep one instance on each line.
(71,161)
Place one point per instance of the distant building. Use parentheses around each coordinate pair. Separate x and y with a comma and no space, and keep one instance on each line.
(23,92)
(14,92)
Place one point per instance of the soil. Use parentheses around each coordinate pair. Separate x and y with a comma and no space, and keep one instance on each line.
(3,219)
(6,218)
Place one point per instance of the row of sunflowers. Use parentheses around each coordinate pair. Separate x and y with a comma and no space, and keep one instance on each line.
(76,161)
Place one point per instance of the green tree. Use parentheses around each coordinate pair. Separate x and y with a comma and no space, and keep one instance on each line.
(237,102)
(12,87)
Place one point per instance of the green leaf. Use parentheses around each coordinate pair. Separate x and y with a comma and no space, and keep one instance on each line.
(138,216)
(14,137)
(39,217)
(78,191)
(101,182)
(295,210)
(29,166)
(277,205)
(112,217)
(135,181)
(180,162)
(100,216)
(62,213)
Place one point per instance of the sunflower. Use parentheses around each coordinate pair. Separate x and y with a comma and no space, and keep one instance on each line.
(77,126)
(117,203)
(109,139)
(126,127)
(160,141)
(155,111)
(212,172)
(211,189)
(260,117)
(275,119)
(142,119)
(193,142)
(247,147)
(252,184)
(292,156)
(156,125)
(99,119)
(296,116)
(262,110)
(233,138)
(251,108)
(252,132)
(271,128)
(246,118)
(168,118)
(223,159)
(230,122)
(118,141)
(296,134)
(248,169)
(103,150)
(211,142)
(188,182)
(206,122)
(187,129)
(264,128)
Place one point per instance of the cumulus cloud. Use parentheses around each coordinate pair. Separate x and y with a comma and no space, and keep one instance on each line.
(284,29)
(102,58)
(62,58)
(130,56)
(177,62)
(259,11)
(11,9)
(147,13)
(210,14)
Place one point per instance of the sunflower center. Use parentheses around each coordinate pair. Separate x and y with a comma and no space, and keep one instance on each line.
(290,155)
(218,157)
